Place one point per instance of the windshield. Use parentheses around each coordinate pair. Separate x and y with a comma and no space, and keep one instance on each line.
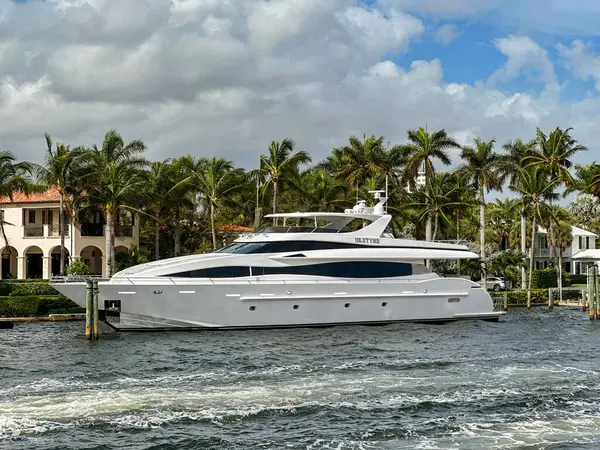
(286,246)
(241,247)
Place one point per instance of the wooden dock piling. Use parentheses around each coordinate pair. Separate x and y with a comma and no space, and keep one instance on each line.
(95,332)
(91,311)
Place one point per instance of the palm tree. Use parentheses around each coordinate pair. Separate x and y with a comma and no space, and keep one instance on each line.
(561,238)
(554,152)
(61,170)
(281,165)
(587,179)
(512,164)
(183,197)
(536,189)
(115,182)
(333,164)
(482,169)
(217,181)
(502,220)
(160,194)
(442,196)
(322,191)
(14,177)
(363,159)
(420,153)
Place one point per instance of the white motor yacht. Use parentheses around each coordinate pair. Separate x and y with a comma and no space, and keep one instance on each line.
(343,269)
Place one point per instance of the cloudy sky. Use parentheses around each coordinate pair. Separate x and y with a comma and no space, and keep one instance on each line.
(225,77)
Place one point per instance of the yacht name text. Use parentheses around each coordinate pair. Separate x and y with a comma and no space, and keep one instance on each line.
(366,240)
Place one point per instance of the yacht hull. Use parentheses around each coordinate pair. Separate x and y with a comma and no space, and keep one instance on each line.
(245,304)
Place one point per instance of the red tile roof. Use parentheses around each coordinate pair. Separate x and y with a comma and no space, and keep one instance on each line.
(50,196)
(235,228)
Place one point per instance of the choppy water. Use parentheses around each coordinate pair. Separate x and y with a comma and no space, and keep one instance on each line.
(530,382)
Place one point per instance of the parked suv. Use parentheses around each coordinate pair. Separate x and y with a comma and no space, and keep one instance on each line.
(495,284)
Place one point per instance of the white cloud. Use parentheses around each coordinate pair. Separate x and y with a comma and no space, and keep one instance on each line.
(446,33)
(523,56)
(445,8)
(204,77)
(580,59)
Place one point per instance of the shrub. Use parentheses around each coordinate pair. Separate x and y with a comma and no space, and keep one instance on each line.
(519,297)
(576,279)
(28,289)
(26,306)
(77,268)
(5,288)
(544,278)
(57,304)
(19,306)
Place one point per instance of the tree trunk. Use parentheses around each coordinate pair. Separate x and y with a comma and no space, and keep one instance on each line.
(458,240)
(531,253)
(523,249)
(157,240)
(61,232)
(428,219)
(109,253)
(212,225)
(482,233)
(177,232)
(275,192)
(550,239)
(194,207)
(482,221)
(435,228)
(559,281)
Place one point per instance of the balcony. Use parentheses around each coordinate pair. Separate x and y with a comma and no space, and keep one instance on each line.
(124,232)
(545,253)
(33,231)
(54,230)
(92,229)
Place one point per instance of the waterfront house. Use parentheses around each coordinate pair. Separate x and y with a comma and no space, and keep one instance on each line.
(31,226)
(582,240)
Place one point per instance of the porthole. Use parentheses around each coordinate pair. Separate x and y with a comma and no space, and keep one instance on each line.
(295,306)
(347,305)
(252,308)
(384,304)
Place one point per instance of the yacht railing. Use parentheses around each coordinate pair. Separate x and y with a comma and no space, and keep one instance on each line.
(76,278)
(258,279)
(298,229)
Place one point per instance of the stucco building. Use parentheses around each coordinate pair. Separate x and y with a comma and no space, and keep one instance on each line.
(31,226)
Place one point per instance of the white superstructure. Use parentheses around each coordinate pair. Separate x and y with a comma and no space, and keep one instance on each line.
(316,269)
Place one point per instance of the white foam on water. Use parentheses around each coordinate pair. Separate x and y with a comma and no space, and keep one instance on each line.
(321,444)
(526,433)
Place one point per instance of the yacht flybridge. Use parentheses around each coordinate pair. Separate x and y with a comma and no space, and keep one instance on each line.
(315,269)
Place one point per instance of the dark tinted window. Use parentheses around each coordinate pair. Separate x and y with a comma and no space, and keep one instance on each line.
(348,269)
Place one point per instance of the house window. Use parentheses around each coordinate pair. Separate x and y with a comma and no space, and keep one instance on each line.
(567,266)
(587,242)
(1,215)
(580,242)
(31,216)
(577,268)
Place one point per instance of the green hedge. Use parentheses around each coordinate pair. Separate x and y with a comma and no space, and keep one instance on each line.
(36,305)
(519,297)
(544,278)
(27,289)
(576,279)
